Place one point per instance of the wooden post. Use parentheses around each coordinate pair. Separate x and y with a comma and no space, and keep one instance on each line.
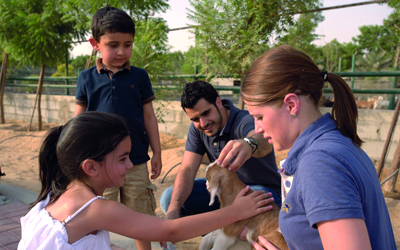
(3,85)
(37,100)
(388,140)
(388,187)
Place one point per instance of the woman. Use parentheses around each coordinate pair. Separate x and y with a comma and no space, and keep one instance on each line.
(335,200)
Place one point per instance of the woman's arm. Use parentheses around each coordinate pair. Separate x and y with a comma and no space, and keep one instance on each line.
(344,234)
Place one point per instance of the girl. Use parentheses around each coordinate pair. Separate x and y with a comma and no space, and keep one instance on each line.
(78,161)
(333,196)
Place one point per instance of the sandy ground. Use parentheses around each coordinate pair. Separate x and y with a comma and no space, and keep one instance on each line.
(19,161)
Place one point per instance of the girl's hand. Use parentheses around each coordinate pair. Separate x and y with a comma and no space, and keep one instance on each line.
(252,204)
(265,242)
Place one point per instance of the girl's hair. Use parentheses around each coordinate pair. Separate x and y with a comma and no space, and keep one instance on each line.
(90,135)
(285,70)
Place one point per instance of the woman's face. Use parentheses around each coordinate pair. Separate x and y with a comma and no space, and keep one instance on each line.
(274,123)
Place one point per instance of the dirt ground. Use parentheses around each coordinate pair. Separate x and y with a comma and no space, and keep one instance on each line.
(18,160)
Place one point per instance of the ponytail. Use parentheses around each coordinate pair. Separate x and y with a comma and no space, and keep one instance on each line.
(51,176)
(344,109)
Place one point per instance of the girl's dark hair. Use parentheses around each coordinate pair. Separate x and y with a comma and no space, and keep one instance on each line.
(90,135)
(285,70)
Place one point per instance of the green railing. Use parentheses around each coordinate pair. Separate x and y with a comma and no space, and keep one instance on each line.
(70,83)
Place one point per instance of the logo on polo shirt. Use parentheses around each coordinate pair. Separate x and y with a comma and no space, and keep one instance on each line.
(285,207)
(132,86)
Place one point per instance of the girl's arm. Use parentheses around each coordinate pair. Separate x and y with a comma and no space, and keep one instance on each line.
(151,126)
(117,218)
(344,234)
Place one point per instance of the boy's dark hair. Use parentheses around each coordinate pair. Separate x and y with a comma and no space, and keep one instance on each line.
(193,92)
(90,135)
(112,20)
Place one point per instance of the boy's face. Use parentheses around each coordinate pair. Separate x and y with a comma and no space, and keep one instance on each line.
(115,48)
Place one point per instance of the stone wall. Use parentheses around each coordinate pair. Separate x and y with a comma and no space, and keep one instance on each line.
(373,125)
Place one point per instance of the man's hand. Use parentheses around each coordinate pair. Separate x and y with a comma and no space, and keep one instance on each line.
(235,148)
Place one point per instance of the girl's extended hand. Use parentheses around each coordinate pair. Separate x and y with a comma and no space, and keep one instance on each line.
(252,204)
(265,242)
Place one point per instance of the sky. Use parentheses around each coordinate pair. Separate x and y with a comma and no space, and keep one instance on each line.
(342,24)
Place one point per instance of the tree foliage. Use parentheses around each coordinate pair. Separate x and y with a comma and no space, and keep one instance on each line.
(39,31)
(137,9)
(301,35)
(150,47)
(232,33)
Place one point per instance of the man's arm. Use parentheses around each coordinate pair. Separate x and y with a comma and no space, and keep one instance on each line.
(79,109)
(183,184)
(243,151)
(151,127)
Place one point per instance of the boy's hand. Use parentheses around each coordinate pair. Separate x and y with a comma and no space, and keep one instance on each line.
(252,204)
(156,166)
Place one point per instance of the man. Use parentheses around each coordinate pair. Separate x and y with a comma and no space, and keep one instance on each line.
(227,135)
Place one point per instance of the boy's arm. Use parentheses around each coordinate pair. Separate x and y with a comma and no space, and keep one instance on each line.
(151,126)
(79,109)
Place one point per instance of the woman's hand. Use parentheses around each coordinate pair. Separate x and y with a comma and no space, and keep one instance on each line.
(252,204)
(265,242)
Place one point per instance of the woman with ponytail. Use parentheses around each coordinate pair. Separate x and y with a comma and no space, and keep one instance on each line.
(333,198)
(78,161)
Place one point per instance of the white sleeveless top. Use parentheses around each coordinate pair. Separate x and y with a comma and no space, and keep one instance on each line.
(40,231)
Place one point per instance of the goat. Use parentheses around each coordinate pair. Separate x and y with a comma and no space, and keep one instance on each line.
(226,184)
(369,104)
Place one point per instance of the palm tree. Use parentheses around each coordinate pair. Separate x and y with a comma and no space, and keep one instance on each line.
(374,61)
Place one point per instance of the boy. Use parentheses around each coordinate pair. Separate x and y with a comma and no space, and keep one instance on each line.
(114,86)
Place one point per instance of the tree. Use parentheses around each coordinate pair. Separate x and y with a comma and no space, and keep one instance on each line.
(231,34)
(137,9)
(374,61)
(79,63)
(301,35)
(150,47)
(40,32)
(61,71)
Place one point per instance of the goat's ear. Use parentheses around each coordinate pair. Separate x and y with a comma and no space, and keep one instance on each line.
(214,186)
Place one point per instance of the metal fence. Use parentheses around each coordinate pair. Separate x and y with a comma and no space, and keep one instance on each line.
(361,83)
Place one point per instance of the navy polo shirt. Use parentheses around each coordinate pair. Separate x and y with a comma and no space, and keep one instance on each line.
(123,93)
(255,171)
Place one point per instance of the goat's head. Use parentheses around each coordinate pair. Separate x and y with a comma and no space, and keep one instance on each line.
(213,176)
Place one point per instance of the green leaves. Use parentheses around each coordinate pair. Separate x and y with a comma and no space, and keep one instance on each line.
(232,33)
(39,32)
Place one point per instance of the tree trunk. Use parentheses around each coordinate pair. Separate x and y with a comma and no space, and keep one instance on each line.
(37,100)
(88,62)
(3,85)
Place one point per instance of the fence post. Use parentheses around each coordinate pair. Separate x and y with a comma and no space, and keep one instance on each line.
(66,73)
(392,96)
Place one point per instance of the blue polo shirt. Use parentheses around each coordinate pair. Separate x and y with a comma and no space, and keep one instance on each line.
(255,171)
(333,179)
(123,93)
